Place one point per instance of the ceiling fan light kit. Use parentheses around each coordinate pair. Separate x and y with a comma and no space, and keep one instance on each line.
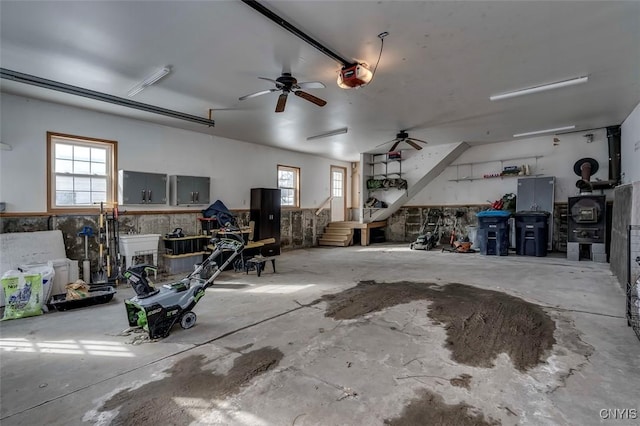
(148,81)
(286,83)
(541,88)
(403,136)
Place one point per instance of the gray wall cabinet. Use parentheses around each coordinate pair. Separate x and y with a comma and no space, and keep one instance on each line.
(189,190)
(537,194)
(142,188)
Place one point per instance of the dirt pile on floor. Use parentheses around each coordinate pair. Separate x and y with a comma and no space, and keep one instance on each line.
(480,323)
(153,403)
(430,409)
(462,381)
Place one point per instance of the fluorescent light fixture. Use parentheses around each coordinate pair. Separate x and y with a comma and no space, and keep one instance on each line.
(151,79)
(542,88)
(540,132)
(331,133)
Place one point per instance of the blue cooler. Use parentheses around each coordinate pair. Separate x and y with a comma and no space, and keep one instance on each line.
(493,232)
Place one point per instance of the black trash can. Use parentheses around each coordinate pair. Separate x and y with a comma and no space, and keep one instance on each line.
(493,232)
(532,230)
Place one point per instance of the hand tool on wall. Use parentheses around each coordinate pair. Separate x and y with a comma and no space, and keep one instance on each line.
(116,244)
(107,245)
(86,232)
(101,274)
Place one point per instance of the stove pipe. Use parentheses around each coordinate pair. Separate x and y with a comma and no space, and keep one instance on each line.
(614,140)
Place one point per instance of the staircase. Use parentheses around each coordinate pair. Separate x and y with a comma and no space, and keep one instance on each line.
(337,234)
(415,188)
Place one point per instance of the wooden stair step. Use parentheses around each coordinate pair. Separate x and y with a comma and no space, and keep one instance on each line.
(338,231)
(335,237)
(323,242)
(341,225)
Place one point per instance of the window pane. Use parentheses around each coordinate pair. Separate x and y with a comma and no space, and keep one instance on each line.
(64,183)
(64,198)
(337,184)
(98,155)
(81,153)
(285,179)
(98,197)
(64,166)
(287,197)
(81,167)
(83,197)
(64,151)
(99,185)
(98,169)
(82,184)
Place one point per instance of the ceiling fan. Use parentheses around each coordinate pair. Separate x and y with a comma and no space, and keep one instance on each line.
(286,83)
(403,136)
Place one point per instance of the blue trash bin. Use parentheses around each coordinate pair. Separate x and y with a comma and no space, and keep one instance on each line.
(493,232)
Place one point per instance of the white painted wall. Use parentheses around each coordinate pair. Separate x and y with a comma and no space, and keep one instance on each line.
(234,166)
(556,160)
(630,150)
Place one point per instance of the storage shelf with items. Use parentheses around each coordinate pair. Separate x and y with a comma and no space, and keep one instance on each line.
(505,171)
(385,172)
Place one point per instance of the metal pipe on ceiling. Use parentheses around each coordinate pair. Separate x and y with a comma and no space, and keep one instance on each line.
(298,33)
(99,96)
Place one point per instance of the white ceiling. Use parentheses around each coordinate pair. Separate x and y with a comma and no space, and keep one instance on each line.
(441,62)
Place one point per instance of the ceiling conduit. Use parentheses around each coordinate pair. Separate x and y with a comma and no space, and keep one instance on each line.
(99,96)
(289,27)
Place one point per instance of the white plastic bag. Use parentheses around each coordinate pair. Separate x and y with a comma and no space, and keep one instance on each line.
(48,274)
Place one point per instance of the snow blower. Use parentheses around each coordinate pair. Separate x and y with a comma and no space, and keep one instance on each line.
(157,310)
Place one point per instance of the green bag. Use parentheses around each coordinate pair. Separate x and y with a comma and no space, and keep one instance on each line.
(23,295)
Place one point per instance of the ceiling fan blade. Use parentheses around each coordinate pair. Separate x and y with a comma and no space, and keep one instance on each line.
(277,83)
(282,101)
(395,145)
(418,140)
(311,85)
(393,140)
(253,95)
(309,97)
(413,144)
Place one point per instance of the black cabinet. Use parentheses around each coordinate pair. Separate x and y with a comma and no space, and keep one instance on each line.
(265,212)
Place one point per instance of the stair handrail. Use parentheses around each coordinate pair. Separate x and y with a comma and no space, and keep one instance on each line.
(324,204)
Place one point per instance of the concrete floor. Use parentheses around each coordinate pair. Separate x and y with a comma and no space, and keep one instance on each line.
(60,368)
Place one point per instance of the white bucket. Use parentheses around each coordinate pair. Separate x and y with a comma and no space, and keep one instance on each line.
(472,232)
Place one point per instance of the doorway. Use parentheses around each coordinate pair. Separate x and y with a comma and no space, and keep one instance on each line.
(338,192)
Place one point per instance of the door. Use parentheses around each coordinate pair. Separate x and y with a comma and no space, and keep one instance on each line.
(338,192)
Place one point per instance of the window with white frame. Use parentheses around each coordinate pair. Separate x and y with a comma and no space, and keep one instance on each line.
(82,171)
(337,184)
(289,184)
